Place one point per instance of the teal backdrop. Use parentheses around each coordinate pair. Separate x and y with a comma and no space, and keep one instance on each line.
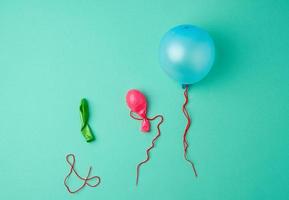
(53,53)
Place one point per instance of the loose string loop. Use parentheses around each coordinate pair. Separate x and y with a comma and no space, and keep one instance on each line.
(86,180)
(185,143)
(137,117)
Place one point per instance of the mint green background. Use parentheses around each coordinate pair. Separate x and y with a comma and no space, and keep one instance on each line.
(53,53)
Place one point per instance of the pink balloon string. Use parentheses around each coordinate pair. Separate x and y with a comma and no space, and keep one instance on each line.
(134,116)
(185,143)
(70,158)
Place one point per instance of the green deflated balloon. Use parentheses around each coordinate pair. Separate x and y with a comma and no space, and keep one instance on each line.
(84,115)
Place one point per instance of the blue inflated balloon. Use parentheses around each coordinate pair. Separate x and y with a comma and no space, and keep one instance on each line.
(187,53)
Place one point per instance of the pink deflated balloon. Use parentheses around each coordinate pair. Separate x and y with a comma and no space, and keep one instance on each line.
(137,102)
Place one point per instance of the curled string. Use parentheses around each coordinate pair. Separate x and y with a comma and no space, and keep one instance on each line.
(185,143)
(133,115)
(86,179)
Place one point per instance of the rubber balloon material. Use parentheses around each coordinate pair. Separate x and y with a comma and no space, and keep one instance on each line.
(137,102)
(187,54)
(84,115)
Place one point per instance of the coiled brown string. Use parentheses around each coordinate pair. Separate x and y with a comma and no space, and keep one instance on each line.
(185,143)
(86,179)
(132,114)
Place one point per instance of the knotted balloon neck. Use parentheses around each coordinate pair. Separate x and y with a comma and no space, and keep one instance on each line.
(70,158)
(145,126)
